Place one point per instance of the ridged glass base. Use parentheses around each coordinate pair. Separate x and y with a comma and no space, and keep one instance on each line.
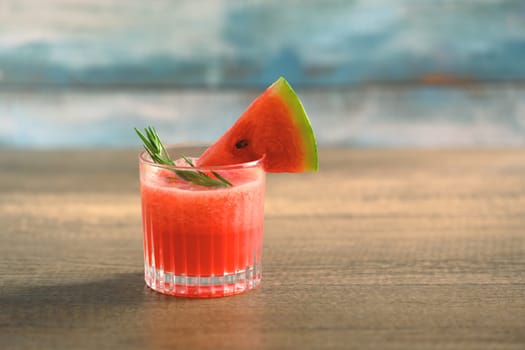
(203,286)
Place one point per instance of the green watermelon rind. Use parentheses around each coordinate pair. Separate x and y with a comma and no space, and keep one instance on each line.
(282,88)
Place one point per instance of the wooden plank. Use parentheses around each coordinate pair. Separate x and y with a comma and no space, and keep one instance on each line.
(380,249)
(375,115)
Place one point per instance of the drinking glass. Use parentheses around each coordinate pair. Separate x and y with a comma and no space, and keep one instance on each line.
(201,241)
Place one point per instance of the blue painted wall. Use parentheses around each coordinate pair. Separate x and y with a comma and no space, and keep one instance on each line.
(250,43)
(371,73)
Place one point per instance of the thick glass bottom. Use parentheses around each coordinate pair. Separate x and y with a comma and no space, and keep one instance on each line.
(202,286)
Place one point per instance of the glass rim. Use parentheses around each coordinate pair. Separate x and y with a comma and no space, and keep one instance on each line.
(146,159)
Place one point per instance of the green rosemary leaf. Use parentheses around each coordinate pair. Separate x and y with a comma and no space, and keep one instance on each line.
(147,144)
(188,160)
(159,154)
(222,179)
(224,182)
(199,178)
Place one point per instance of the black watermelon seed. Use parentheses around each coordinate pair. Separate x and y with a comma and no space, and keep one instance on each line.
(241,143)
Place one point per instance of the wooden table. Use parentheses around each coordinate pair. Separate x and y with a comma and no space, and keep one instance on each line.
(380,249)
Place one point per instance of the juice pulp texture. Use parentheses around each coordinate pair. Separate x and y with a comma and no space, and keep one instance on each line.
(191,230)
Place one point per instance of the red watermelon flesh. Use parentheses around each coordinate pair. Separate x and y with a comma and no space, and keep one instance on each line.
(275,126)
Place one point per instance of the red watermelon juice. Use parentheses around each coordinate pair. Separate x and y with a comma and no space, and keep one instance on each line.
(201,241)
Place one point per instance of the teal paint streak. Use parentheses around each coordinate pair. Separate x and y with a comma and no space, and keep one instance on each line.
(378,116)
(321,43)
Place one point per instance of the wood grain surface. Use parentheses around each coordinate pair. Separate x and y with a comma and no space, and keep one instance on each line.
(380,249)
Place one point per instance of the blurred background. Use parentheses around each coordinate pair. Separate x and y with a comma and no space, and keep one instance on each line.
(371,73)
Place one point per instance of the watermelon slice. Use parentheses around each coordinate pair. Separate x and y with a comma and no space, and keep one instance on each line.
(275,126)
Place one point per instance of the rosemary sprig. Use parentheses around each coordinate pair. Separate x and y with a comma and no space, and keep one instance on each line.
(158,153)
(216,174)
